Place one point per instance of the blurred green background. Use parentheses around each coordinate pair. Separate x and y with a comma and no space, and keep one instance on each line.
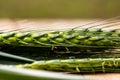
(59,8)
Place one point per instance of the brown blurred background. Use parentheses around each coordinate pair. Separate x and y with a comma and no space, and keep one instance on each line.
(59,8)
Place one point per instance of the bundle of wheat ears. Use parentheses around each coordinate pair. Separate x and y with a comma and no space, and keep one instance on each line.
(101,37)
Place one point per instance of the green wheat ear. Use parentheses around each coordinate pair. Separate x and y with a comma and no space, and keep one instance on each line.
(77,65)
(83,37)
(62,38)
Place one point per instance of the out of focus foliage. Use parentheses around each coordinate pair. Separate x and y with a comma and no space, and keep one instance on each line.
(59,8)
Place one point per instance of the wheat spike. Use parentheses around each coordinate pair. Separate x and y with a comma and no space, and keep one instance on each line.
(62,38)
(77,65)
